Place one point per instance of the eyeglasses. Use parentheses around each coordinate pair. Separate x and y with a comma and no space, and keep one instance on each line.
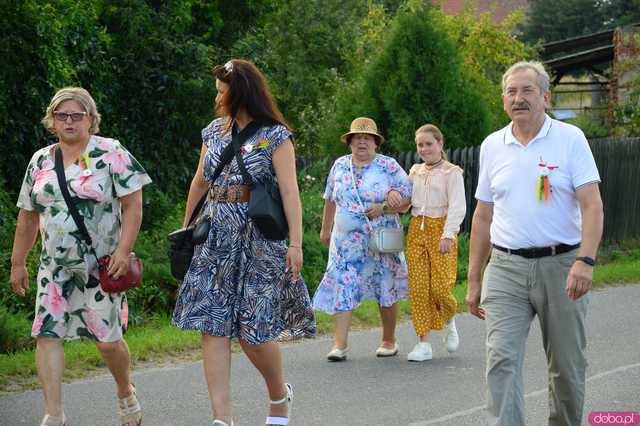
(63,116)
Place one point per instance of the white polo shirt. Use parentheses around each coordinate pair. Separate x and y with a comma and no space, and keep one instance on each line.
(509,174)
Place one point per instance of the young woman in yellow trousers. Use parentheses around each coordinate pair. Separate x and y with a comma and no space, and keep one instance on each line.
(437,209)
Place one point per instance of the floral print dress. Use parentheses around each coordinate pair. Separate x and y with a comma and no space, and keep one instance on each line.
(353,272)
(69,301)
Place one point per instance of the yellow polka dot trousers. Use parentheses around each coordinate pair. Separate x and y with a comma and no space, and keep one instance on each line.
(432,275)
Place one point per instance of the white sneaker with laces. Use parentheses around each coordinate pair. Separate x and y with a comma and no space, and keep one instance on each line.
(451,338)
(421,352)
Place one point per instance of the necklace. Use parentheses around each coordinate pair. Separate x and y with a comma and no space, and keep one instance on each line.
(434,165)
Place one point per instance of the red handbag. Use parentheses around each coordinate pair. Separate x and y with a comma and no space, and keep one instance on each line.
(131,279)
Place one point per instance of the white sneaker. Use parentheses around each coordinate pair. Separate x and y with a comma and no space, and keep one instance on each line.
(451,338)
(421,352)
(336,355)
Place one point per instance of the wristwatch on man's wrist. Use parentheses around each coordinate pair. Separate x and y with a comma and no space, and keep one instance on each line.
(587,259)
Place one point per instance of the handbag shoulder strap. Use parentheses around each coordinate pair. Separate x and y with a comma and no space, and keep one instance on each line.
(225,158)
(75,214)
(237,139)
(355,190)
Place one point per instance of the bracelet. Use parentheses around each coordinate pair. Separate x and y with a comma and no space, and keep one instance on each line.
(295,246)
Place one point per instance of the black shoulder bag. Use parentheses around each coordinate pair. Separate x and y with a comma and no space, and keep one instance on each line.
(265,204)
(182,242)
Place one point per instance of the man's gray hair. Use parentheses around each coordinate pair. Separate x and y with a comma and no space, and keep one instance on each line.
(542,77)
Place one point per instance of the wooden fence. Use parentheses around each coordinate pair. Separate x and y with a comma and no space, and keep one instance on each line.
(618,161)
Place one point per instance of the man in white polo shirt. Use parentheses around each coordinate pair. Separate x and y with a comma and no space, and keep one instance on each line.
(539,206)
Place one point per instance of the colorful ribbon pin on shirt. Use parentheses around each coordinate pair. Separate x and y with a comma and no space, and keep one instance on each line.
(543,189)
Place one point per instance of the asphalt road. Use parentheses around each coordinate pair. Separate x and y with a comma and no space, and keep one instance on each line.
(365,390)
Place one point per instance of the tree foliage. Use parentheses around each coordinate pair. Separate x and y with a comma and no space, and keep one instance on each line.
(418,76)
(489,49)
(627,112)
(551,20)
(146,63)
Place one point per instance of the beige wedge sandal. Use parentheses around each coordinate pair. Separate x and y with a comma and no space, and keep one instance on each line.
(129,410)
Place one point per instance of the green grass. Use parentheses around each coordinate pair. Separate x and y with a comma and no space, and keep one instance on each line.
(155,341)
(158,341)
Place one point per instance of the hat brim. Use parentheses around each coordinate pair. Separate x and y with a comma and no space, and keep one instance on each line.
(344,137)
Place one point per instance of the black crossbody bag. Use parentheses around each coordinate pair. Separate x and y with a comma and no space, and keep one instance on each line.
(182,242)
(265,205)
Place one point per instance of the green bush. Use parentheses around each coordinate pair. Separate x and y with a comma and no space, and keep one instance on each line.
(15,332)
(8,215)
(463,258)
(417,77)
(157,293)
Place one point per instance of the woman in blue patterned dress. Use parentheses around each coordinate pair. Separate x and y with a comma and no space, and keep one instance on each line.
(241,284)
(354,273)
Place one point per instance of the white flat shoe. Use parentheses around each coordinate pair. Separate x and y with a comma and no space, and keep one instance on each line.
(221,423)
(288,399)
(337,355)
(421,352)
(383,352)
(451,338)
(49,420)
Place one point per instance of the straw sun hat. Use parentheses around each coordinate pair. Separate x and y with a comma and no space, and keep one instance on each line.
(363,125)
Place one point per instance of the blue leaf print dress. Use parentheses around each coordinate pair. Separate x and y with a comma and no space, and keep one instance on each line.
(236,285)
(353,272)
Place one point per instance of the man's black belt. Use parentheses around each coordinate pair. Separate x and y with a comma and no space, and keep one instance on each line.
(535,252)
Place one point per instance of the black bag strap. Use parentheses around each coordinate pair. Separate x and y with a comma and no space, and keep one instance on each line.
(75,214)
(237,139)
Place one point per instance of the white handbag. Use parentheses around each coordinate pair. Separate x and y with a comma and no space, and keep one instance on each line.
(387,240)
(383,239)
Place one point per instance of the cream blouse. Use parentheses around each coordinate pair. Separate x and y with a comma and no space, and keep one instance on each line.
(439,192)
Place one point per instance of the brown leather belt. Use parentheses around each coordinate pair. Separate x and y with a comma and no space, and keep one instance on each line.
(231,193)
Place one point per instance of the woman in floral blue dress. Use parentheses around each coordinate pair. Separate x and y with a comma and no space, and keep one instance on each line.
(105,182)
(241,284)
(354,273)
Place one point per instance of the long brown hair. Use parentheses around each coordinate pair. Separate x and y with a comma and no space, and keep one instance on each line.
(248,90)
(437,134)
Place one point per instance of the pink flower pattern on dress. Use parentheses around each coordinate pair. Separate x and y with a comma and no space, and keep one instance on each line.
(95,324)
(124,315)
(118,160)
(45,174)
(53,301)
(88,188)
(37,324)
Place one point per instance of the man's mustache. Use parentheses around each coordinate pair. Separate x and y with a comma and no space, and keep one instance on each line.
(520,107)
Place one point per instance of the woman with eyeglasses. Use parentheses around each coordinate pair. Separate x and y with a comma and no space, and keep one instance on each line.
(240,284)
(105,183)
